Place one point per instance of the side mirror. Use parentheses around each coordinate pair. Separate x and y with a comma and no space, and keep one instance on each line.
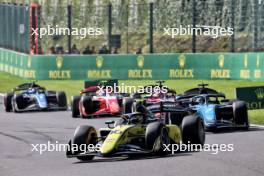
(109,123)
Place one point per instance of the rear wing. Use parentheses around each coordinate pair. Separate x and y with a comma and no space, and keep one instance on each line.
(167,107)
(110,82)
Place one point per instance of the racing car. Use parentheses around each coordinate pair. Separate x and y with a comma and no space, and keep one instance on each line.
(134,134)
(32,97)
(96,100)
(152,94)
(216,111)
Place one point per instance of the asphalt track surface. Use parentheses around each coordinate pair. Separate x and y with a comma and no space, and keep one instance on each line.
(19,131)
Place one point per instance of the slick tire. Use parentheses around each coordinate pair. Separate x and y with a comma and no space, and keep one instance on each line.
(75,106)
(18,103)
(241,114)
(88,104)
(61,100)
(8,102)
(153,132)
(84,134)
(193,131)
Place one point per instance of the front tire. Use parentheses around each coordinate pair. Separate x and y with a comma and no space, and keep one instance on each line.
(75,106)
(193,130)
(87,103)
(156,137)
(241,114)
(18,102)
(84,134)
(8,102)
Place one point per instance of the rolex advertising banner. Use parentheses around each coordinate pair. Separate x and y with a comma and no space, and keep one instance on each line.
(17,64)
(254,96)
(249,66)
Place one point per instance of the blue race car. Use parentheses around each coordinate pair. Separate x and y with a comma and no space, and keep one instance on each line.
(32,97)
(215,110)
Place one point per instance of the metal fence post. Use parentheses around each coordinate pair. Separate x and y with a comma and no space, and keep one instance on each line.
(255,26)
(69,8)
(151,27)
(26,43)
(193,25)
(127,27)
(232,16)
(2,22)
(8,21)
(11,29)
(38,44)
(109,25)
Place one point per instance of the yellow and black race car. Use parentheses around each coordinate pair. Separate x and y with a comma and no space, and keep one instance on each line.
(136,133)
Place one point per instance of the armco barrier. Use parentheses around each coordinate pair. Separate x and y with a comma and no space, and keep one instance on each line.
(248,66)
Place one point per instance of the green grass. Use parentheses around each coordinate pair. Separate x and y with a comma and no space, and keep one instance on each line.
(7,82)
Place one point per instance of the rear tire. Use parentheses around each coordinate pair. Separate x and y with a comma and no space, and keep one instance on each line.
(61,100)
(193,130)
(241,114)
(84,134)
(8,102)
(75,106)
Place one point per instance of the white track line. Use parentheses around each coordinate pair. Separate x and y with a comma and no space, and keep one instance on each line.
(258,126)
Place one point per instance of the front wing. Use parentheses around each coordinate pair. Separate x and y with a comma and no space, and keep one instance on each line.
(123,150)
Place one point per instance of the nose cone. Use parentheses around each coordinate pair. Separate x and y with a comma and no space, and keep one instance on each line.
(108,146)
(209,114)
(114,139)
(42,101)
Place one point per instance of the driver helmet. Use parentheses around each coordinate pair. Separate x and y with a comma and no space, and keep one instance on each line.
(31,90)
(156,94)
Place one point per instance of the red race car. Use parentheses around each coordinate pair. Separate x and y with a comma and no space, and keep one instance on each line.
(95,101)
(152,94)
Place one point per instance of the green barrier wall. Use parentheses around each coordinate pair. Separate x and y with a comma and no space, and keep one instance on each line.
(16,64)
(248,66)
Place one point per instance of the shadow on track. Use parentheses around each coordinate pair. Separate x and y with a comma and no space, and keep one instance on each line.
(133,158)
